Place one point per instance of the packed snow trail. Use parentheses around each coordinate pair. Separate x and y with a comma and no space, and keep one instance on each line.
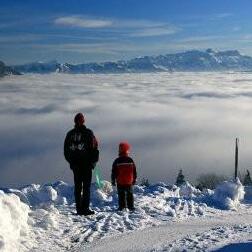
(193,234)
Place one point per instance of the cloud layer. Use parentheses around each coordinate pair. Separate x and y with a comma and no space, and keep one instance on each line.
(76,21)
(173,121)
(131,28)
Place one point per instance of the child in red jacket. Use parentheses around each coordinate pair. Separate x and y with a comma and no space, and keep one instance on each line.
(124,175)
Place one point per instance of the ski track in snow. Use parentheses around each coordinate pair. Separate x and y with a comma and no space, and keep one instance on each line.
(167,218)
(189,234)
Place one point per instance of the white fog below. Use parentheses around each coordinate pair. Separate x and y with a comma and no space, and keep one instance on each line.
(173,121)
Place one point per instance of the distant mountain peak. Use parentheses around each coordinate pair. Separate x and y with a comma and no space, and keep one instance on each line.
(6,70)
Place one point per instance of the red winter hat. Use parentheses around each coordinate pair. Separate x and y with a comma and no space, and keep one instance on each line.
(79,119)
(124,147)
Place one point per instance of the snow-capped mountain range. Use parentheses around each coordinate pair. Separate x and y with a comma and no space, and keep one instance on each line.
(208,60)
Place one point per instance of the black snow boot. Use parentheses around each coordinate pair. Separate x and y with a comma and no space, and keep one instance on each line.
(88,212)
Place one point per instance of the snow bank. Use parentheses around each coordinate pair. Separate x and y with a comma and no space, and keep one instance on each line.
(105,194)
(189,191)
(35,195)
(229,194)
(13,222)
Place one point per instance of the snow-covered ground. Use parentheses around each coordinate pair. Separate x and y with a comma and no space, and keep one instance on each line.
(167,218)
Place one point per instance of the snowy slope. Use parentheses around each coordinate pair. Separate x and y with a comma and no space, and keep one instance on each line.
(167,218)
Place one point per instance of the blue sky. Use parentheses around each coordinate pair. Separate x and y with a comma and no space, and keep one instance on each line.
(95,30)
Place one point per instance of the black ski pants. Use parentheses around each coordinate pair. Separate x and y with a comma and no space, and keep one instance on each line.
(125,196)
(82,184)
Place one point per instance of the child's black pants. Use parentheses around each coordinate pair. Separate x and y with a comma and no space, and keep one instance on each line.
(125,196)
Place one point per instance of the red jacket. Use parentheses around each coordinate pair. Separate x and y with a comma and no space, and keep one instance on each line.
(124,171)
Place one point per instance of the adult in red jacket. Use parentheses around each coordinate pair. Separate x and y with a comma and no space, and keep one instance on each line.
(124,175)
(81,152)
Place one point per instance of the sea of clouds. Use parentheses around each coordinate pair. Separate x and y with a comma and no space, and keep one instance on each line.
(173,121)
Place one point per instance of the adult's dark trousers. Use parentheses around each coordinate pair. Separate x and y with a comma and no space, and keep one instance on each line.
(82,183)
(125,196)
